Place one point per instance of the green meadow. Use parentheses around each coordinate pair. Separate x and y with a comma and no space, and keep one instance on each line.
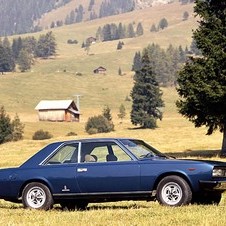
(58,78)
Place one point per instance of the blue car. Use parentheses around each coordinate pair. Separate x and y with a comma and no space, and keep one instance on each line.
(75,173)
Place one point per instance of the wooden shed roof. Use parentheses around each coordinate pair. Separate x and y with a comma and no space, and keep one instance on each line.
(55,104)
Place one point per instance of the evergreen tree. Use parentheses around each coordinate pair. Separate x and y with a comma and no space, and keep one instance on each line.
(140,30)
(99,35)
(121,31)
(153,28)
(24,60)
(46,45)
(80,12)
(163,23)
(119,71)
(52,24)
(146,96)
(122,112)
(194,49)
(18,129)
(202,84)
(137,62)
(7,62)
(91,4)
(67,20)
(72,16)
(130,31)
(182,54)
(119,45)
(185,15)
(106,32)
(6,128)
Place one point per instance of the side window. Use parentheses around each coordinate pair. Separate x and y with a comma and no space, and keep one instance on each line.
(102,152)
(120,154)
(67,154)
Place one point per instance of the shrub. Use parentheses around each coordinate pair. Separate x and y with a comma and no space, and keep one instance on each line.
(72,134)
(41,135)
(98,124)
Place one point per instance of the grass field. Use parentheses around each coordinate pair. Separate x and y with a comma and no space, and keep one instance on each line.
(56,79)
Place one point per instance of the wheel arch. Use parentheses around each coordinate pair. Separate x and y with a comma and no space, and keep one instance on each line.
(38,180)
(179,174)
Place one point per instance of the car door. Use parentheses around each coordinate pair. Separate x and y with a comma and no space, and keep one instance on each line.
(60,169)
(109,169)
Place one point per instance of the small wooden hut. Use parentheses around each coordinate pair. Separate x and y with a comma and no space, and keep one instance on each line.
(58,110)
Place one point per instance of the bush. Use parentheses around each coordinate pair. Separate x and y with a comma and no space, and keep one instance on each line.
(41,135)
(72,134)
(98,124)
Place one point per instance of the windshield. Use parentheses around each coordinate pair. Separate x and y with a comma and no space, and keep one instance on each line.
(140,149)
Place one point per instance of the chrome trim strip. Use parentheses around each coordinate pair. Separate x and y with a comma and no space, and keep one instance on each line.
(106,193)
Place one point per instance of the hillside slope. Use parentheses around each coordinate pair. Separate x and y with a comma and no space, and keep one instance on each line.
(58,78)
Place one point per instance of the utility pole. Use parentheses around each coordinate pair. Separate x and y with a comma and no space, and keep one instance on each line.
(78,100)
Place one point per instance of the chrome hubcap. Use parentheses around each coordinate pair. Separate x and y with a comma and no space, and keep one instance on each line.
(171,193)
(36,197)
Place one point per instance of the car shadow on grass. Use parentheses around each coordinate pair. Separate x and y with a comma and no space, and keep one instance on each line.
(196,154)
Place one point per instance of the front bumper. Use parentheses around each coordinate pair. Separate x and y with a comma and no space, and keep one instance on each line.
(213,185)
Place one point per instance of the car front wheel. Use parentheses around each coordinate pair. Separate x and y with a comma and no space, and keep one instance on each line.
(37,196)
(173,191)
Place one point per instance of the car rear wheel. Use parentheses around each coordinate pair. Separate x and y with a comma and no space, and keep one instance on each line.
(37,196)
(173,191)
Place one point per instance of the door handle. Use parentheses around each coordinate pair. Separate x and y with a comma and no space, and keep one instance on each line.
(82,170)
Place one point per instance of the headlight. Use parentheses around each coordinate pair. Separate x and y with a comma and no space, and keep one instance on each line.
(218,172)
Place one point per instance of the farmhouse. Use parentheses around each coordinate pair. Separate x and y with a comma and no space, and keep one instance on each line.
(58,110)
(100,70)
(91,40)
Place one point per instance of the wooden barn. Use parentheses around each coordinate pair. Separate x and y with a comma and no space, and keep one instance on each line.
(100,70)
(58,110)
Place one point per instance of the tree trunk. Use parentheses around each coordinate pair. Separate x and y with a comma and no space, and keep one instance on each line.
(223,148)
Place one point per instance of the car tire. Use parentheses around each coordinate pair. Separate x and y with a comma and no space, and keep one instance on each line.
(37,196)
(173,191)
(208,198)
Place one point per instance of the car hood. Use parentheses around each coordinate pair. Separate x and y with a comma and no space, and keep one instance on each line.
(185,161)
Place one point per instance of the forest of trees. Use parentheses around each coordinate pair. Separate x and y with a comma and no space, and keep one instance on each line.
(164,63)
(113,7)
(17,16)
(113,31)
(22,51)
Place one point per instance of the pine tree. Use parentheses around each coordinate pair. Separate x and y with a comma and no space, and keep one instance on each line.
(119,45)
(140,30)
(24,60)
(163,23)
(7,62)
(202,84)
(130,31)
(153,28)
(146,96)
(122,112)
(6,128)
(46,45)
(185,15)
(119,71)
(136,62)
(18,129)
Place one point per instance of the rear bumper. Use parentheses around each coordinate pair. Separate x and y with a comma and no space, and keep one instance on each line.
(213,185)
